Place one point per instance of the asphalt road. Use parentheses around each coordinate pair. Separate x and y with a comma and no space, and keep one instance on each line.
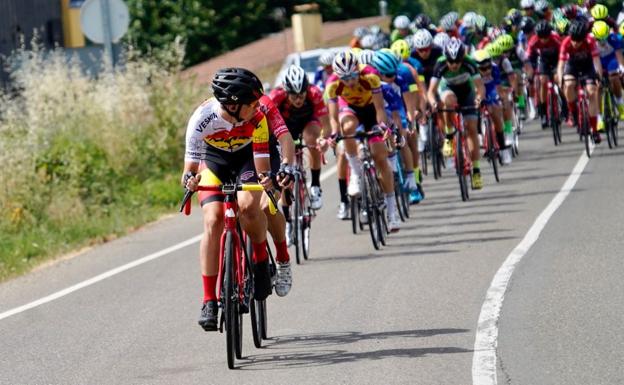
(404,315)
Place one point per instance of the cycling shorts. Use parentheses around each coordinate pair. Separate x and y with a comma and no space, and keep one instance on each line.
(581,70)
(610,65)
(226,167)
(464,99)
(367,116)
(546,67)
(296,128)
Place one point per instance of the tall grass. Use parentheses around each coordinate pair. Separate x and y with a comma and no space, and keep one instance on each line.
(85,157)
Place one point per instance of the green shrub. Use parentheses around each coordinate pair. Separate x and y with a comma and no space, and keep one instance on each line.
(86,157)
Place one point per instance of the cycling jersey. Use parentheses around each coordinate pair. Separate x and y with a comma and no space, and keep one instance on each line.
(406,78)
(361,94)
(320,78)
(393,101)
(607,50)
(296,119)
(578,59)
(277,126)
(461,81)
(543,55)
(491,80)
(208,135)
(429,63)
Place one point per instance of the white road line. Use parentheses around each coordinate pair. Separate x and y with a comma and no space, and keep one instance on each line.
(486,341)
(117,270)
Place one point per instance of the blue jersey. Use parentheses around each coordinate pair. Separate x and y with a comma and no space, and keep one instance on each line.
(405,78)
(393,101)
(320,77)
(607,51)
(491,81)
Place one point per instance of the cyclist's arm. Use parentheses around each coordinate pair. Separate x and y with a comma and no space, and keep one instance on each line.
(326,128)
(560,67)
(288,148)
(620,57)
(332,106)
(432,92)
(480,88)
(409,99)
(380,111)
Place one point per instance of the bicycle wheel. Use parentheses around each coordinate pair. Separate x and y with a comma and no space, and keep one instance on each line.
(552,116)
(355,213)
(306,224)
(297,214)
(459,166)
(230,299)
(379,208)
(367,203)
(434,148)
(492,154)
(397,195)
(586,130)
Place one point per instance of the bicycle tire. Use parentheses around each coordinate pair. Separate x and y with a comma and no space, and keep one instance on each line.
(552,116)
(586,129)
(295,219)
(397,195)
(306,224)
(423,159)
(614,120)
(491,150)
(380,214)
(434,146)
(355,214)
(229,297)
(459,166)
(606,115)
(367,204)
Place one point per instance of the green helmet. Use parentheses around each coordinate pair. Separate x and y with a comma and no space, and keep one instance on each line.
(494,50)
(562,25)
(506,42)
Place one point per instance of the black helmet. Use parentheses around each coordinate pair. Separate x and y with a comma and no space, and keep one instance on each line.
(543,29)
(577,30)
(422,21)
(236,86)
(527,25)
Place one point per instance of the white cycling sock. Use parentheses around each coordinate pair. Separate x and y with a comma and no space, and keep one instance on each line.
(355,163)
(391,205)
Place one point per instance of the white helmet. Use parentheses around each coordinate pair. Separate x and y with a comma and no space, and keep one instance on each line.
(469,19)
(368,41)
(366,56)
(345,63)
(422,39)
(327,58)
(375,29)
(295,80)
(401,22)
(541,5)
(440,39)
(454,49)
(359,32)
(527,4)
(447,23)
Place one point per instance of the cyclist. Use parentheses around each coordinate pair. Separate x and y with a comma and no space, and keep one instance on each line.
(390,73)
(358,34)
(448,24)
(490,73)
(517,60)
(280,143)
(401,28)
(600,12)
(325,69)
(528,7)
(302,107)
(579,60)
(440,39)
(229,137)
(542,52)
(422,21)
(457,82)
(611,58)
(355,98)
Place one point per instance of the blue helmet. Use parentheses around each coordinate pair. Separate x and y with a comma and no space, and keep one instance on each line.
(386,62)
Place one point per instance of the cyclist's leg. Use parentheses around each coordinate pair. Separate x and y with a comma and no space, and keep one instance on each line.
(311,133)
(379,153)
(569,91)
(449,101)
(592,97)
(209,246)
(348,124)
(342,165)
(276,223)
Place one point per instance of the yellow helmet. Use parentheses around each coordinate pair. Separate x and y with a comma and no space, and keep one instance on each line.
(599,12)
(601,30)
(401,49)
(481,56)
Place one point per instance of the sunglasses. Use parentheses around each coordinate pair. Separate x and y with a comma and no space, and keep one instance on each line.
(301,95)
(486,67)
(352,75)
(389,75)
(453,61)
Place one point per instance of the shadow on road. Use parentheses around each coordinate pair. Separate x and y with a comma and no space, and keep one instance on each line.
(304,356)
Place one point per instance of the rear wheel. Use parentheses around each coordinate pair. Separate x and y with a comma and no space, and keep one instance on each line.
(297,214)
(460,166)
(306,224)
(491,150)
(232,324)
(355,213)
(368,201)
(586,130)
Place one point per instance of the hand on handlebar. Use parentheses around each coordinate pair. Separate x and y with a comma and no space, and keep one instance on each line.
(285,176)
(190,180)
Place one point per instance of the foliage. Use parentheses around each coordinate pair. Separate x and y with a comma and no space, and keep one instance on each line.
(81,156)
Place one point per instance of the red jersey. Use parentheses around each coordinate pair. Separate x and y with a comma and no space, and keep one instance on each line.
(313,107)
(548,50)
(587,50)
(277,126)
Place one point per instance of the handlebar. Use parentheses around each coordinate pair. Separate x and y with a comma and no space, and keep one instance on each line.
(227,189)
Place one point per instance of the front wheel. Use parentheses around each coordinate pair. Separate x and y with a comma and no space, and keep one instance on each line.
(296,220)
(230,298)
(460,166)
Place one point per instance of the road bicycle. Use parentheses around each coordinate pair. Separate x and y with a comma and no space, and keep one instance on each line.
(372,199)
(463,163)
(582,107)
(554,109)
(610,112)
(303,212)
(490,144)
(235,277)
